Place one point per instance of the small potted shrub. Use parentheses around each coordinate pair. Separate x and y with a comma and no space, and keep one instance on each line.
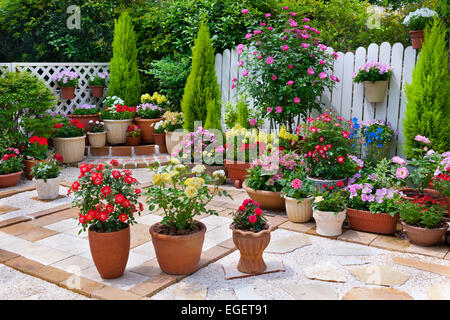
(69,140)
(173,124)
(35,151)
(84,114)
(117,119)
(422,220)
(11,168)
(67,81)
(147,115)
(297,192)
(416,22)
(378,138)
(133,135)
(329,210)
(375,77)
(46,177)
(251,235)
(108,202)
(97,134)
(97,83)
(178,238)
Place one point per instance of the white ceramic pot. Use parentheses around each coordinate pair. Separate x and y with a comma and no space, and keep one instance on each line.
(117,130)
(329,224)
(375,91)
(47,190)
(97,139)
(172,141)
(71,149)
(298,212)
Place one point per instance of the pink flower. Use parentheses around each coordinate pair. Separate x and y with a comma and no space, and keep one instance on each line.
(306,19)
(323,47)
(245,11)
(306,27)
(240,63)
(269,28)
(284,38)
(268,15)
(296,100)
(252,122)
(292,14)
(335,55)
(422,139)
(259,57)
(269,109)
(398,160)
(291,66)
(274,77)
(293,23)
(262,24)
(269,60)
(252,218)
(334,78)
(255,53)
(239,52)
(233,85)
(285,8)
(321,62)
(322,75)
(296,184)
(305,45)
(234,79)
(245,73)
(401,173)
(257,32)
(248,36)
(278,109)
(310,71)
(285,47)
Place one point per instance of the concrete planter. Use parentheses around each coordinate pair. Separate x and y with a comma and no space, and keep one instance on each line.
(97,139)
(375,91)
(117,130)
(298,212)
(47,190)
(172,141)
(71,149)
(328,224)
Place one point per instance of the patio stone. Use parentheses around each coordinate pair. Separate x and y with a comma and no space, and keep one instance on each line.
(390,243)
(81,285)
(447,256)
(149,220)
(24,265)
(313,232)
(7,255)
(66,243)
(59,197)
(51,274)
(14,244)
(227,244)
(47,220)
(216,236)
(126,281)
(63,225)
(380,275)
(73,264)
(213,222)
(438,251)
(17,229)
(139,235)
(36,234)
(6,209)
(350,261)
(145,249)
(344,250)
(376,294)
(276,221)
(112,293)
(11,221)
(213,254)
(439,291)
(189,291)
(231,271)
(244,292)
(310,291)
(298,227)
(358,237)
(288,244)
(325,271)
(422,265)
(48,211)
(154,285)
(45,255)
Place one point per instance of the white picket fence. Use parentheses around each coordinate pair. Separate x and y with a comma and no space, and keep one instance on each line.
(347,98)
(45,70)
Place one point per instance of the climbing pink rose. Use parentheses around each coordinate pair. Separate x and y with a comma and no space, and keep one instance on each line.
(245,73)
(401,173)
(245,11)
(291,66)
(305,45)
(269,109)
(269,60)
(233,85)
(306,19)
(240,63)
(296,100)
(322,75)
(274,77)
(252,122)
(285,47)
(268,15)
(290,83)
(248,36)
(310,71)
(322,62)
(278,109)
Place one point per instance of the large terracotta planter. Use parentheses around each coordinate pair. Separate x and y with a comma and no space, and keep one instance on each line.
(28,165)
(382,223)
(318,183)
(10,180)
(68,93)
(178,254)
(267,199)
(172,141)
(423,236)
(417,38)
(409,194)
(110,251)
(71,149)
(237,171)
(251,245)
(160,138)
(328,224)
(47,190)
(133,141)
(117,130)
(298,212)
(97,92)
(375,91)
(97,139)
(147,128)
(376,153)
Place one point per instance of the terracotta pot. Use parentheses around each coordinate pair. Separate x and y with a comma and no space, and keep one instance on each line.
(110,251)
(178,254)
(417,38)
(133,141)
(172,140)
(147,128)
(28,165)
(329,224)
(97,92)
(251,245)
(375,91)
(298,212)
(71,149)
(10,180)
(410,193)
(376,153)
(318,183)
(267,199)
(160,138)
(424,237)
(371,222)
(97,139)
(47,190)
(237,171)
(68,93)
(117,130)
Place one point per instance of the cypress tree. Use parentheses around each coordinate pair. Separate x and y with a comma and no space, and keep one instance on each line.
(428,103)
(213,116)
(242,118)
(201,85)
(124,75)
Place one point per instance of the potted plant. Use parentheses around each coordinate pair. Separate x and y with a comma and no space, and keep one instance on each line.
(133,135)
(422,220)
(375,77)
(378,138)
(67,81)
(147,115)
(117,119)
(11,168)
(97,83)
(178,238)
(97,134)
(159,133)
(173,124)
(69,140)
(34,151)
(297,192)
(329,210)
(251,235)
(108,202)
(46,177)
(415,22)
(441,183)
(84,114)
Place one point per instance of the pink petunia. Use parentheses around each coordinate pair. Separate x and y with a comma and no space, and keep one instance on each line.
(252,122)
(269,28)
(248,36)
(291,66)
(244,11)
(269,109)
(296,184)
(268,15)
(274,77)
(322,62)
(305,45)
(306,19)
(310,71)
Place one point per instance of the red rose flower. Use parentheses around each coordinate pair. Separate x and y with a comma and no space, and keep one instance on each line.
(128,180)
(109,208)
(103,216)
(82,219)
(340,184)
(137,191)
(59,157)
(116,174)
(252,218)
(58,125)
(141,207)
(258,211)
(114,163)
(340,159)
(123,217)
(119,198)
(43,141)
(106,190)
(241,208)
(126,203)
(75,185)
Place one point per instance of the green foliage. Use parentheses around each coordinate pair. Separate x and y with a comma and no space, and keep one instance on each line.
(201,85)
(47,169)
(124,75)
(11,163)
(230,115)
(213,116)
(428,102)
(242,114)
(329,199)
(86,109)
(296,185)
(421,212)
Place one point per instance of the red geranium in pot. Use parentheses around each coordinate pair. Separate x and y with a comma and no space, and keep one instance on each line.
(35,151)
(11,168)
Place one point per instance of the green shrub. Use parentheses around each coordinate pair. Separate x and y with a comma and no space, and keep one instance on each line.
(242,114)
(428,102)
(213,117)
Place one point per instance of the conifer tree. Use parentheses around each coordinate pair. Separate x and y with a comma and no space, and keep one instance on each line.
(428,103)
(242,118)
(201,86)
(213,116)
(124,79)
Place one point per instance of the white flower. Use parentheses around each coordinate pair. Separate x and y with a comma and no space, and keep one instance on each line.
(318,199)
(218,174)
(91,121)
(198,169)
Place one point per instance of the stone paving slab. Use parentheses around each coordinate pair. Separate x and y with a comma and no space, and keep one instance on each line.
(231,271)
(376,294)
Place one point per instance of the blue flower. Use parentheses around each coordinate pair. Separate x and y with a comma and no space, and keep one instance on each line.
(355,120)
(380,145)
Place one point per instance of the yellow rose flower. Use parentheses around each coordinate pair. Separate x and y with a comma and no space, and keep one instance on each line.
(191,192)
(156,179)
(166,177)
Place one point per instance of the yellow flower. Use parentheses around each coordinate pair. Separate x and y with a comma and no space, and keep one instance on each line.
(166,177)
(191,191)
(318,199)
(156,179)
(174,161)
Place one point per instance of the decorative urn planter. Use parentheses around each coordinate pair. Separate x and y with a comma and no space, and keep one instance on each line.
(318,183)
(28,165)
(47,190)
(172,140)
(267,199)
(117,130)
(375,91)
(10,180)
(417,38)
(71,149)
(237,171)
(425,237)
(68,93)
(147,128)
(110,251)
(329,224)
(97,92)
(298,212)
(97,139)
(133,141)
(251,245)
(178,254)
(361,220)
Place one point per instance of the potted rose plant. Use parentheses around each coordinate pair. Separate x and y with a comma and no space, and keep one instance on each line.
(67,81)
(97,83)
(117,119)
(133,135)
(251,235)
(375,77)
(378,138)
(69,140)
(11,168)
(46,177)
(416,22)
(34,151)
(147,115)
(178,238)
(108,202)
(329,210)
(297,192)
(97,134)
